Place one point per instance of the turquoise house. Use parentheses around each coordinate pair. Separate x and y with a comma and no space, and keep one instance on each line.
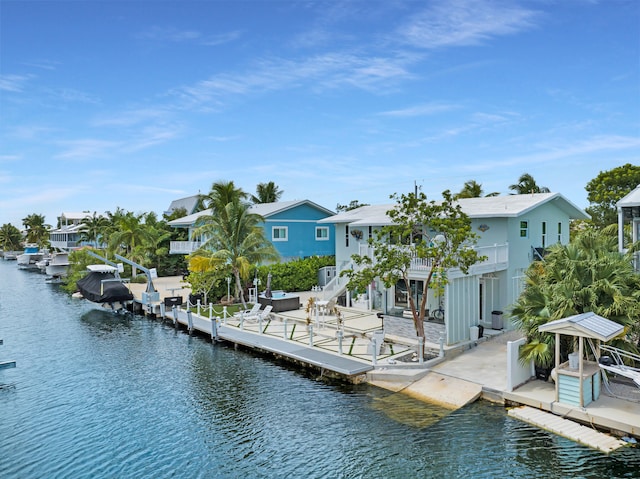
(293,227)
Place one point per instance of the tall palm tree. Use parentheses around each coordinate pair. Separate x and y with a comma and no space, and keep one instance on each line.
(221,194)
(589,274)
(472,189)
(526,185)
(94,229)
(266,193)
(37,229)
(129,237)
(10,237)
(235,240)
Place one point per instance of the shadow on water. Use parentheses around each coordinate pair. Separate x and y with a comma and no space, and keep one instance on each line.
(106,320)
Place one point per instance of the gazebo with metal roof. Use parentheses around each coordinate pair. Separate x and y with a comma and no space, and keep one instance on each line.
(579,384)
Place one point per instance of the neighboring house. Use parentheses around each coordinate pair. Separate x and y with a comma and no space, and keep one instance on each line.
(629,211)
(67,235)
(292,226)
(190,204)
(513,231)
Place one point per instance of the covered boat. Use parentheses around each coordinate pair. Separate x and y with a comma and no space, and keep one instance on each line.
(101,285)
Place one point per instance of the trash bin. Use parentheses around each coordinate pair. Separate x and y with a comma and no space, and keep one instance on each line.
(496,320)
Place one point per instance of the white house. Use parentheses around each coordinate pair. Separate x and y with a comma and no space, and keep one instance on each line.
(513,231)
(67,235)
(629,211)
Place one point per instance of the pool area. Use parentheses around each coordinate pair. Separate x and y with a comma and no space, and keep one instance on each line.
(280,301)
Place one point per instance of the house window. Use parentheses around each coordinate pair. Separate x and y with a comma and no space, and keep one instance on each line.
(559,232)
(279,233)
(346,229)
(544,234)
(322,233)
(524,229)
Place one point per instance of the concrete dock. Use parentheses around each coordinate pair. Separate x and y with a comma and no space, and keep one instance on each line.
(464,374)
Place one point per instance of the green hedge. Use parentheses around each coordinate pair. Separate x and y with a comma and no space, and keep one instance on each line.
(296,275)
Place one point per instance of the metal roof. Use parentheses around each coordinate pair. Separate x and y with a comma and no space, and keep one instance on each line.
(587,325)
(631,199)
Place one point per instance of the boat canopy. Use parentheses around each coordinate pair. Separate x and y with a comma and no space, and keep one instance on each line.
(103,288)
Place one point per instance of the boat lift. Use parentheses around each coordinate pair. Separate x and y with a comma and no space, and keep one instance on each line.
(148,296)
(6,364)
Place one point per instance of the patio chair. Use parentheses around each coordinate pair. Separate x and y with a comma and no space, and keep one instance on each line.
(248,312)
(260,315)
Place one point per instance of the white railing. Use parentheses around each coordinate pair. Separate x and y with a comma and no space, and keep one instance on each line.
(184,247)
(496,254)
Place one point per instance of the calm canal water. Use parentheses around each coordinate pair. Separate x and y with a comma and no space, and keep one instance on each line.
(102,396)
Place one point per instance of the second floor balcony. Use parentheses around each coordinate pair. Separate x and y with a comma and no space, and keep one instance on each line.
(184,247)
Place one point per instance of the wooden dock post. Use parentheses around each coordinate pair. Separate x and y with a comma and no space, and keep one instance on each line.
(175,315)
(163,311)
(284,334)
(340,334)
(189,322)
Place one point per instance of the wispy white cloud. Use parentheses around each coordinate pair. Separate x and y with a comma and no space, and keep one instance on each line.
(465,22)
(420,110)
(14,83)
(319,72)
(86,149)
(175,35)
(132,117)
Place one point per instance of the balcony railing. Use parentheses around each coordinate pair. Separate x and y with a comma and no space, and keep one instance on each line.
(184,247)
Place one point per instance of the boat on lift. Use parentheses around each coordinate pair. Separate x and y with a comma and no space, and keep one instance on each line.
(102,284)
(30,256)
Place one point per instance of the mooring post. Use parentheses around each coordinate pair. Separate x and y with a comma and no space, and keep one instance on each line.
(189,321)
(224,315)
(284,334)
(163,310)
(340,334)
(374,351)
(211,311)
(214,329)
(441,354)
(198,309)
(311,335)
(420,350)
(174,308)
(260,323)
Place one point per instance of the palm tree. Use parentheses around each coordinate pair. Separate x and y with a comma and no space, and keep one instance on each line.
(472,189)
(526,185)
(266,193)
(37,230)
(94,229)
(221,194)
(586,275)
(129,238)
(10,237)
(235,241)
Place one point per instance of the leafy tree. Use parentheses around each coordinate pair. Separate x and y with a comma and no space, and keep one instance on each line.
(266,193)
(353,204)
(589,274)
(472,189)
(10,237)
(235,240)
(606,189)
(129,238)
(527,185)
(437,232)
(37,230)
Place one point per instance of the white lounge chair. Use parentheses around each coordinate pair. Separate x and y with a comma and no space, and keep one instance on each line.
(248,312)
(260,315)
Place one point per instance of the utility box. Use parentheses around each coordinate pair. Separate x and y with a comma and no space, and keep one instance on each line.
(496,320)
(326,274)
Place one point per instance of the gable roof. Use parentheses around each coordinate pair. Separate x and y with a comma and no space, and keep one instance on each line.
(189,203)
(631,199)
(263,209)
(487,207)
(587,325)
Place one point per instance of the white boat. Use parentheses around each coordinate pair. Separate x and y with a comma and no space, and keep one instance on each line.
(30,256)
(58,265)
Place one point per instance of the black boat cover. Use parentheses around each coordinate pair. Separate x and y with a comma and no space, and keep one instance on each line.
(94,288)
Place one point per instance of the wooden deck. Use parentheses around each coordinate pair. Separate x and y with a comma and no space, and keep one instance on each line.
(566,428)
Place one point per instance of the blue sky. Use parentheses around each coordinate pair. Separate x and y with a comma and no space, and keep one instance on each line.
(132,104)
